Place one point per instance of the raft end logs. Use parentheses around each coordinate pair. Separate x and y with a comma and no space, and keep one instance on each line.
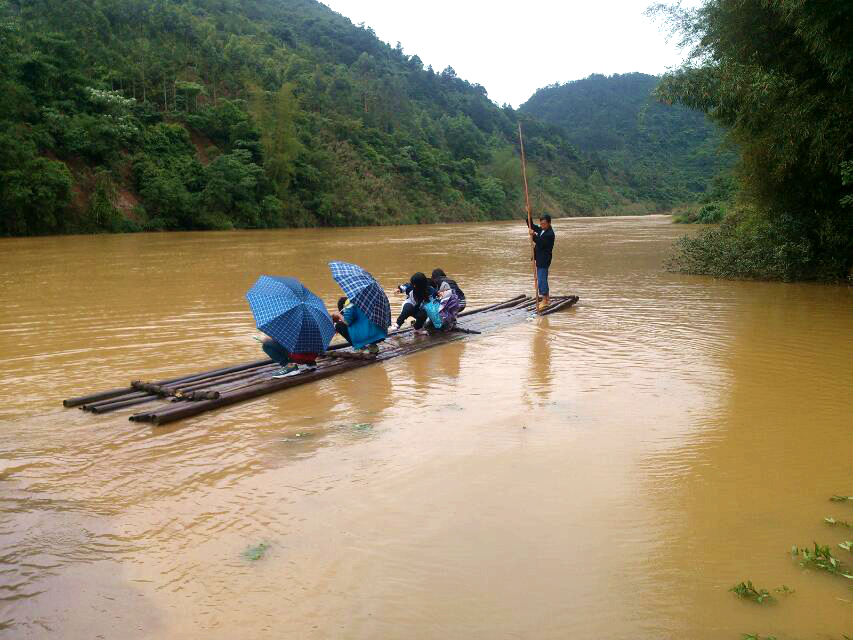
(202,394)
(565,303)
(151,387)
(94,398)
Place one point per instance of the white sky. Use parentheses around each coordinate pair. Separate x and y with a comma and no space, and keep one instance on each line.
(514,48)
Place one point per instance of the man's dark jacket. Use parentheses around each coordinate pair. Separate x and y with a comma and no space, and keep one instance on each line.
(544,246)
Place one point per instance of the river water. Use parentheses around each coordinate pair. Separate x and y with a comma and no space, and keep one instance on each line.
(606,472)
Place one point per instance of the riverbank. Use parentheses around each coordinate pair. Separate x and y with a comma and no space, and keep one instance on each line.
(625,210)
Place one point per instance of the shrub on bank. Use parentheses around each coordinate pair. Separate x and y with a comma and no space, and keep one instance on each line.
(708,213)
(713,207)
(749,245)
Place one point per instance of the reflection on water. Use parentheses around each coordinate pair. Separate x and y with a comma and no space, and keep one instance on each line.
(606,472)
(540,368)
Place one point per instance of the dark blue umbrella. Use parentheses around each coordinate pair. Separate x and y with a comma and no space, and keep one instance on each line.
(290,314)
(363,291)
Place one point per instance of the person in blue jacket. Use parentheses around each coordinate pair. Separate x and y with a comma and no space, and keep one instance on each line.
(355,327)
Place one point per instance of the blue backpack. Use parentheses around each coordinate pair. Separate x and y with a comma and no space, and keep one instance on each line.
(431,307)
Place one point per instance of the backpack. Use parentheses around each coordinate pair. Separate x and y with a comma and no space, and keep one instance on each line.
(432,307)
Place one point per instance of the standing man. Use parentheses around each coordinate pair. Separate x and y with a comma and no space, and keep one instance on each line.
(543,237)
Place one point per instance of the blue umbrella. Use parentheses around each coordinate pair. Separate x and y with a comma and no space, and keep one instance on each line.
(290,314)
(363,291)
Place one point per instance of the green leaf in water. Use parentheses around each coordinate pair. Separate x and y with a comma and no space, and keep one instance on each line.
(832,522)
(841,498)
(256,552)
(747,591)
(362,426)
(820,557)
(847,545)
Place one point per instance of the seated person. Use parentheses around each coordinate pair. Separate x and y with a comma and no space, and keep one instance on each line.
(438,276)
(418,291)
(356,328)
(291,363)
(448,308)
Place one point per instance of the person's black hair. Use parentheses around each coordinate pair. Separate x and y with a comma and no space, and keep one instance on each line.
(546,217)
(438,277)
(341,302)
(420,284)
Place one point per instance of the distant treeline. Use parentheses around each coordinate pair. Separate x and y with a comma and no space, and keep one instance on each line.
(665,153)
(121,115)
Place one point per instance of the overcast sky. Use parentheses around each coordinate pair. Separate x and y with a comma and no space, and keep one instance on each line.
(514,48)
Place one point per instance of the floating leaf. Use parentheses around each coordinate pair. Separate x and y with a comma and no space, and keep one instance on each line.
(747,591)
(841,498)
(847,545)
(256,552)
(832,522)
(820,557)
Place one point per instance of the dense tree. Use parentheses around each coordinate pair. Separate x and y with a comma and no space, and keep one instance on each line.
(779,76)
(34,191)
(256,113)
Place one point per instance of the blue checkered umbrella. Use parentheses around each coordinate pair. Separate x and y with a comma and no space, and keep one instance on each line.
(363,291)
(290,314)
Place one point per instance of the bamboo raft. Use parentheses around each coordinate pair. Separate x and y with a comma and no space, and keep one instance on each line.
(187,396)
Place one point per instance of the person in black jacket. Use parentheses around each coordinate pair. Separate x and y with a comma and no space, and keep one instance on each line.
(438,276)
(417,291)
(543,237)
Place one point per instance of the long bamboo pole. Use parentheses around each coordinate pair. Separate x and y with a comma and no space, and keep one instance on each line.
(529,215)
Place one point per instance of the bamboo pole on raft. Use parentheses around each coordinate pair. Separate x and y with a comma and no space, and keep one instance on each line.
(529,216)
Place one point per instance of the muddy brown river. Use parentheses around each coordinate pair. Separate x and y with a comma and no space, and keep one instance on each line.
(606,472)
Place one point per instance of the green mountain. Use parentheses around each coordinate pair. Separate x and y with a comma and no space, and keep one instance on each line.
(208,114)
(665,153)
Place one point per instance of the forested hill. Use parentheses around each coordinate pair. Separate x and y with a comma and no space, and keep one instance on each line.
(210,114)
(665,152)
